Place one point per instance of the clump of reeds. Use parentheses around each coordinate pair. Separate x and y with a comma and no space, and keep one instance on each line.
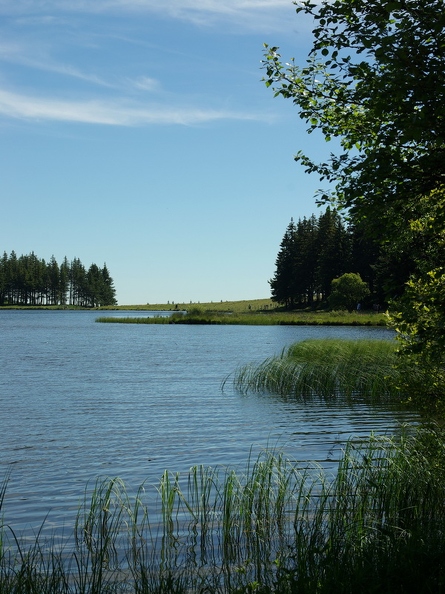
(327,368)
(133,320)
(277,526)
(254,318)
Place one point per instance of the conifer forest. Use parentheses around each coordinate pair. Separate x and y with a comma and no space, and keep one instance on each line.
(316,250)
(29,280)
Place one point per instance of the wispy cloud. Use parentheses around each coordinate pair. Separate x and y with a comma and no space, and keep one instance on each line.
(110,113)
(37,58)
(145,83)
(247,13)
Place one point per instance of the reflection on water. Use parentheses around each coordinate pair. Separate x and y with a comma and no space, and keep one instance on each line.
(81,400)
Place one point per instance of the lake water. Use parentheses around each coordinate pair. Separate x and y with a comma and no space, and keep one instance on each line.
(81,400)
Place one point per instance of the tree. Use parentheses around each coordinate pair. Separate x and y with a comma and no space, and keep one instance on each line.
(419,316)
(375,81)
(306,260)
(108,290)
(333,250)
(347,291)
(312,253)
(281,284)
(29,280)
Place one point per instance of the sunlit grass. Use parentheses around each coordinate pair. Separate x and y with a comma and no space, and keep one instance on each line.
(255,318)
(327,368)
(222,306)
(278,526)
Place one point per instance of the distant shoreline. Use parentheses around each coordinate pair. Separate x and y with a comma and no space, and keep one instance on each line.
(253,312)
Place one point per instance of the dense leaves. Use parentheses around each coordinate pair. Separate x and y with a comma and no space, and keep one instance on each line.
(375,79)
(28,280)
(348,290)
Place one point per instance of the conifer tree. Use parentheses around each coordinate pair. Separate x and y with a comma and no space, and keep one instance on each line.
(281,284)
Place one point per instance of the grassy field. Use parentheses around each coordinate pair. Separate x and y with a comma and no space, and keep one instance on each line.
(221,306)
(248,312)
(258,319)
(258,312)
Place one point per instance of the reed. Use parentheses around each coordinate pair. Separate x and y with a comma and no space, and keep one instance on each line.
(327,369)
(279,526)
(255,318)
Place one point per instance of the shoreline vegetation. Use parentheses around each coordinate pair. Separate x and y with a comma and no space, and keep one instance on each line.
(328,369)
(279,526)
(260,312)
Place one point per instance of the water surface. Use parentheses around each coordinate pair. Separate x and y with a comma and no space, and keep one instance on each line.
(81,400)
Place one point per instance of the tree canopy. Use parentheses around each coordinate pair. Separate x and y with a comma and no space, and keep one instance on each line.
(29,280)
(313,252)
(347,291)
(375,80)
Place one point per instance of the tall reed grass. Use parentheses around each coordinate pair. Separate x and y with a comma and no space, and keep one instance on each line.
(378,525)
(255,318)
(327,368)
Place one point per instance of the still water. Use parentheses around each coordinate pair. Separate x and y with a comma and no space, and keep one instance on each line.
(81,400)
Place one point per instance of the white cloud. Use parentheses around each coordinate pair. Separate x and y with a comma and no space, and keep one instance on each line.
(111,113)
(39,59)
(246,13)
(145,83)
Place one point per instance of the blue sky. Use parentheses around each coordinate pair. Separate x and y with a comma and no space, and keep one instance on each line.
(139,133)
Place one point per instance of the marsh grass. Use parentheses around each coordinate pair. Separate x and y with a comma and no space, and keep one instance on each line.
(327,369)
(376,526)
(202,316)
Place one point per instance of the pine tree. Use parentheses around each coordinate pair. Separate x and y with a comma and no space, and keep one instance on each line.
(108,290)
(281,284)
(306,260)
(333,250)
(29,280)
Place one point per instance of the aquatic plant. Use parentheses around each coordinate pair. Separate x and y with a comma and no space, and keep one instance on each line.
(280,526)
(255,318)
(327,368)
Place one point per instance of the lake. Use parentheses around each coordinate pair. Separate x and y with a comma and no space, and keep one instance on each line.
(81,400)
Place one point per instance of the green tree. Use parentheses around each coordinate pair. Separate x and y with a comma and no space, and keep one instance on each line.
(29,280)
(64,275)
(53,274)
(4,281)
(375,81)
(78,283)
(333,250)
(281,284)
(108,289)
(348,291)
(306,261)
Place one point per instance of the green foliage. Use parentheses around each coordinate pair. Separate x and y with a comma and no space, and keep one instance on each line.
(27,280)
(418,316)
(348,291)
(375,81)
(312,253)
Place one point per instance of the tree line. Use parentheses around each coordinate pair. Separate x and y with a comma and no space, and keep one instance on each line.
(315,251)
(29,280)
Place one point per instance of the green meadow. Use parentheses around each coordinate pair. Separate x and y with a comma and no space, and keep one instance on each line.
(253,312)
